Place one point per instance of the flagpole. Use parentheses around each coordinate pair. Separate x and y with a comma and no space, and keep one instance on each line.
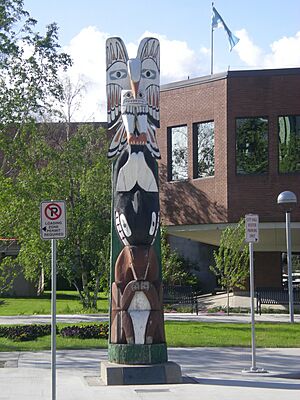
(212,45)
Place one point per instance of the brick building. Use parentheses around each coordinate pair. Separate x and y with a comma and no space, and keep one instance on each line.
(230,144)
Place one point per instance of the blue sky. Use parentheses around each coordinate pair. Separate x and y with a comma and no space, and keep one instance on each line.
(269,32)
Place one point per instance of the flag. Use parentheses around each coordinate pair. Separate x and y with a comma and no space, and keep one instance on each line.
(218,22)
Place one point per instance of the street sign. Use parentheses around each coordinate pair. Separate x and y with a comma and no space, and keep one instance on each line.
(252,231)
(53,220)
(53,226)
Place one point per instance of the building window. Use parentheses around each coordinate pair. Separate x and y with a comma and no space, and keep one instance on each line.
(204,146)
(178,153)
(251,145)
(289,143)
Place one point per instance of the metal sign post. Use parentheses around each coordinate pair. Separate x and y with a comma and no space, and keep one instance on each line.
(253,367)
(252,236)
(289,264)
(53,318)
(53,227)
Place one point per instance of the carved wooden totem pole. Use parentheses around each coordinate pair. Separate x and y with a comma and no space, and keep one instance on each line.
(136,314)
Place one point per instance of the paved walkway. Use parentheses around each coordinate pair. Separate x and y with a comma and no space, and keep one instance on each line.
(209,373)
(202,317)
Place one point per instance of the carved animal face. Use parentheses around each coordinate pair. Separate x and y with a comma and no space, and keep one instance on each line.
(133,94)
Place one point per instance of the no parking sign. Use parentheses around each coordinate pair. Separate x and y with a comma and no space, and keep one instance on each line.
(53,226)
(53,220)
(252,228)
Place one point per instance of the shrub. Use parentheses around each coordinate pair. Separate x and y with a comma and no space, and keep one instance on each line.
(21,333)
(86,331)
(175,269)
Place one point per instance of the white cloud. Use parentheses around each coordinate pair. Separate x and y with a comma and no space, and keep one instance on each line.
(178,60)
(248,52)
(205,50)
(87,50)
(285,52)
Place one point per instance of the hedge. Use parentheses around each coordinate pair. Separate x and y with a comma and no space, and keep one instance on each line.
(20,333)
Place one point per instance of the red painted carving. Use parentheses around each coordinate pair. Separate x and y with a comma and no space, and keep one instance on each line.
(136,270)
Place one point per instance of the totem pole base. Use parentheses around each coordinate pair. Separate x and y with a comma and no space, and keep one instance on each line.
(118,374)
(137,354)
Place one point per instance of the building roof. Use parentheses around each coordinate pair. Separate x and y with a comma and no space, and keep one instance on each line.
(229,74)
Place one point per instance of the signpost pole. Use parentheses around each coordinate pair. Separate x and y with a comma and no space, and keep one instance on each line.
(53,318)
(252,236)
(253,368)
(53,227)
(289,264)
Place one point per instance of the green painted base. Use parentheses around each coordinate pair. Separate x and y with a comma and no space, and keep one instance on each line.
(134,354)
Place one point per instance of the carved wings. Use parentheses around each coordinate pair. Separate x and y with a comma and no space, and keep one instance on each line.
(118,79)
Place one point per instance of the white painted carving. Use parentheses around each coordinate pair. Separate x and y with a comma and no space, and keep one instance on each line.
(125,226)
(139,302)
(139,311)
(120,230)
(153,224)
(135,171)
(133,94)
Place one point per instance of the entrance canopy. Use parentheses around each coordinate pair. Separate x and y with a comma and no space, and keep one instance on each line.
(271,235)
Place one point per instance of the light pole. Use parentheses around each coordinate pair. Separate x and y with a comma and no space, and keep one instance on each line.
(287,199)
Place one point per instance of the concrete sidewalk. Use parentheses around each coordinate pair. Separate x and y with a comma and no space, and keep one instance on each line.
(202,317)
(209,373)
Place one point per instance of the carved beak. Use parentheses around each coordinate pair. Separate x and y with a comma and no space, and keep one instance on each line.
(135,88)
(134,68)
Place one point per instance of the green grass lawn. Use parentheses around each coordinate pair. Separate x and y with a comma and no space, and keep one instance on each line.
(187,334)
(66,303)
(44,343)
(184,334)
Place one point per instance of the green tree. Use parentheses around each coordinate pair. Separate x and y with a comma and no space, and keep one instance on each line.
(27,183)
(77,170)
(38,164)
(87,187)
(29,64)
(175,269)
(232,259)
(7,272)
